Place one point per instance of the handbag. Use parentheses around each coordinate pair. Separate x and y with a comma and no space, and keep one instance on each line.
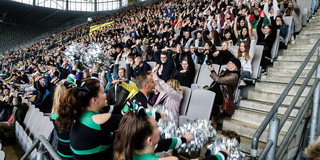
(228,107)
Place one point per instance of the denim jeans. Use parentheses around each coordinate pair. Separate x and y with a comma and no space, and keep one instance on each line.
(245,74)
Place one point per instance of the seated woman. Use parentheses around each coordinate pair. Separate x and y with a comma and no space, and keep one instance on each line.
(266,38)
(90,131)
(185,70)
(223,56)
(224,85)
(243,34)
(245,55)
(170,95)
(138,139)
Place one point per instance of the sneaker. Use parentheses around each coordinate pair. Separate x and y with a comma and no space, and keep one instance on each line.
(242,83)
(292,37)
(263,72)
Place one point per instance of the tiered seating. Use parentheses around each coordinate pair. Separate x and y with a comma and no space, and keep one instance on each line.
(34,124)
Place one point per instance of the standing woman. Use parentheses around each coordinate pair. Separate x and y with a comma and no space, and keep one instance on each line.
(90,132)
(186,70)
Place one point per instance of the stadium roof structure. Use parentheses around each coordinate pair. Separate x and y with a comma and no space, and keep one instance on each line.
(79,5)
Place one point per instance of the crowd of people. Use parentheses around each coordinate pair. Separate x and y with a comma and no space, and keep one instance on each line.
(88,106)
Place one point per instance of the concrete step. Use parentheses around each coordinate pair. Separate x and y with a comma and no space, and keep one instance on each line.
(291,64)
(272,98)
(301,46)
(286,72)
(255,118)
(265,107)
(286,80)
(245,146)
(310,31)
(294,52)
(307,36)
(278,88)
(305,41)
(295,58)
(247,130)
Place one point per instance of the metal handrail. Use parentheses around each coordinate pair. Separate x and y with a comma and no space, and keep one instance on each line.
(274,110)
(46,144)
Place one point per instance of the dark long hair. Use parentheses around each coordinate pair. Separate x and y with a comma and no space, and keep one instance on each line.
(74,101)
(131,135)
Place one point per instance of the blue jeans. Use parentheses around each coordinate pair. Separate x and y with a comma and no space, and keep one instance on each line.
(292,27)
(245,74)
(313,6)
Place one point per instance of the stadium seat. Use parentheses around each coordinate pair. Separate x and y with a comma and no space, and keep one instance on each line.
(152,64)
(204,74)
(197,86)
(256,69)
(2,155)
(275,47)
(185,101)
(288,21)
(196,73)
(200,105)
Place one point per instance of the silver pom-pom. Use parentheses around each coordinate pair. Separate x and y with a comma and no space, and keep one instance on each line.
(231,145)
(203,133)
(86,57)
(167,127)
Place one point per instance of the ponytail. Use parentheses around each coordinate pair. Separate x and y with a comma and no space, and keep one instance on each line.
(131,136)
(74,101)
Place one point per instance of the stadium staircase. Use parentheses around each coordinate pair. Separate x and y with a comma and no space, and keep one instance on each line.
(261,98)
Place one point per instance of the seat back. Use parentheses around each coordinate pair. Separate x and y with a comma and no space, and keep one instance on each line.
(222,67)
(2,155)
(204,74)
(256,62)
(32,119)
(275,46)
(35,125)
(28,114)
(196,72)
(185,100)
(201,103)
(152,64)
(288,21)
(197,86)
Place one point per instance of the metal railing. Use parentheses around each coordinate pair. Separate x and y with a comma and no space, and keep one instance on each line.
(40,155)
(271,119)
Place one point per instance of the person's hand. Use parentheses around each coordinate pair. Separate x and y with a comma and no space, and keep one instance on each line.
(188,137)
(155,68)
(252,37)
(164,117)
(211,68)
(128,53)
(168,154)
(119,55)
(216,53)
(225,151)
(155,76)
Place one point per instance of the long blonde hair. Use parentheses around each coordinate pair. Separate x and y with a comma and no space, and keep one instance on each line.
(58,92)
(246,51)
(174,84)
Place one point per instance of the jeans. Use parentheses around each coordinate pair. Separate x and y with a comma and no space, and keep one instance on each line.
(292,27)
(245,74)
